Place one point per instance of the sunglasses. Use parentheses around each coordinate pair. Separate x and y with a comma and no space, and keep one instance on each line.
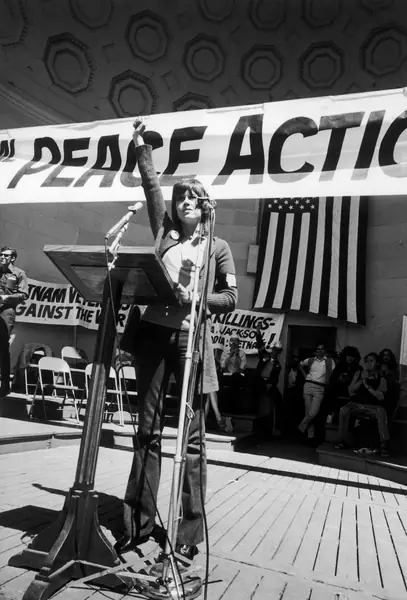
(5,255)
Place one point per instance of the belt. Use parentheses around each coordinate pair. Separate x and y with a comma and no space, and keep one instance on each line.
(315,382)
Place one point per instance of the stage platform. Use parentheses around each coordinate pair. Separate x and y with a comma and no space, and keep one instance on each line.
(279,529)
(18,435)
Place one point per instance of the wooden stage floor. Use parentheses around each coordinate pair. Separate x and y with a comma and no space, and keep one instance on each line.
(278,529)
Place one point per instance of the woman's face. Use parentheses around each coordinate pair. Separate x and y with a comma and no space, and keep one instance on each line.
(386,356)
(187,208)
(370,363)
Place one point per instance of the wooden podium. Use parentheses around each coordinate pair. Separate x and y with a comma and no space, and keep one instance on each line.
(74,546)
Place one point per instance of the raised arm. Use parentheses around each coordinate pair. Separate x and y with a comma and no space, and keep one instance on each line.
(149,179)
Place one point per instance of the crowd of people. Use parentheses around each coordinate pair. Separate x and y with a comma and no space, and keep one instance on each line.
(317,386)
(359,396)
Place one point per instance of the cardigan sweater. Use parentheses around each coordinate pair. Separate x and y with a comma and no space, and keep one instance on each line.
(222,291)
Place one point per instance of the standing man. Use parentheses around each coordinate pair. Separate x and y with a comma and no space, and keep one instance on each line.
(318,370)
(13,291)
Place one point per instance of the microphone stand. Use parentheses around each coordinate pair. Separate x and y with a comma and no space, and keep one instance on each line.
(172,584)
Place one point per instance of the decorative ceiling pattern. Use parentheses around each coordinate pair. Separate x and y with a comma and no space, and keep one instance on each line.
(115,58)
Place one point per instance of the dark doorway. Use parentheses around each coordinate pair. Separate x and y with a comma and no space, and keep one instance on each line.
(304,339)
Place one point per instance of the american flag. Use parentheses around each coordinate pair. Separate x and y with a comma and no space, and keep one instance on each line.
(312,254)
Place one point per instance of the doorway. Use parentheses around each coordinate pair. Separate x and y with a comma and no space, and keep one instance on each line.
(304,339)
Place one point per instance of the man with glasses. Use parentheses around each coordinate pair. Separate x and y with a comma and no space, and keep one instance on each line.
(13,291)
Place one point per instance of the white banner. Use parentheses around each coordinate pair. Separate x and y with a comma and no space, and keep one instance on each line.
(352,145)
(61,304)
(243,324)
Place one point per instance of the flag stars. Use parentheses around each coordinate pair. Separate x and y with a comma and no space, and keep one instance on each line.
(307,201)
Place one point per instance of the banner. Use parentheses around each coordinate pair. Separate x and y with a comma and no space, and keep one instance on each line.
(243,324)
(351,145)
(61,304)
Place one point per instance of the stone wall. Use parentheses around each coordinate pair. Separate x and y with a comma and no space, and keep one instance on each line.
(80,60)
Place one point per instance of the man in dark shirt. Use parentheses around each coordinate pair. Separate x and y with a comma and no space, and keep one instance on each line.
(13,291)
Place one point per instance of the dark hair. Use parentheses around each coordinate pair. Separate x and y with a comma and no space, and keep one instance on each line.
(374,354)
(193,187)
(393,362)
(10,249)
(350,351)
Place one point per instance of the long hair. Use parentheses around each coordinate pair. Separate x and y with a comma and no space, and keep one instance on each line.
(194,188)
(393,361)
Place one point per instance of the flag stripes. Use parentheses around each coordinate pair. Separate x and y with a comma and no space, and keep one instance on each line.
(312,254)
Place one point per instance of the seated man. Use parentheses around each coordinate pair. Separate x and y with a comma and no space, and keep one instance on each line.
(368,391)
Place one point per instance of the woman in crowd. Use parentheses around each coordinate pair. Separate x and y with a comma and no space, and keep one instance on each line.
(390,371)
(367,391)
(340,380)
(160,349)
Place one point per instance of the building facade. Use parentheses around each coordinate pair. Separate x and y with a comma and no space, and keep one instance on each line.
(76,61)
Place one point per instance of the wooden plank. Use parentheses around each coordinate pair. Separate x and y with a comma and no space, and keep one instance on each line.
(364,493)
(369,566)
(258,537)
(352,492)
(326,558)
(288,547)
(347,564)
(390,568)
(245,535)
(276,536)
(398,536)
(309,543)
(271,586)
(330,486)
(297,589)
(243,585)
(232,513)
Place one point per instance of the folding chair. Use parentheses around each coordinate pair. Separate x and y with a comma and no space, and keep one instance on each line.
(113,390)
(127,385)
(76,355)
(54,377)
(77,360)
(31,371)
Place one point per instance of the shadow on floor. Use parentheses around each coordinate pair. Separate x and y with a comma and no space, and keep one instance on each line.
(31,519)
(289,448)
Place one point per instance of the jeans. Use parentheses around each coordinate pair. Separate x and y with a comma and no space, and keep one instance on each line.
(159,352)
(355,408)
(313,397)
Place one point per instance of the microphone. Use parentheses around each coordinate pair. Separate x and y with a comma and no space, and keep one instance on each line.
(124,220)
(205,205)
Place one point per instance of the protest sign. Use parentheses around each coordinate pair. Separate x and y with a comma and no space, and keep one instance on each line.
(61,304)
(243,324)
(351,145)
